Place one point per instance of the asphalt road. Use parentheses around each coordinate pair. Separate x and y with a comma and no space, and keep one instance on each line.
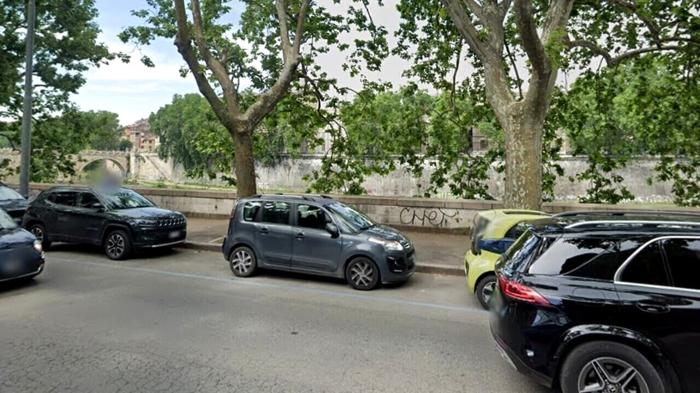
(179,322)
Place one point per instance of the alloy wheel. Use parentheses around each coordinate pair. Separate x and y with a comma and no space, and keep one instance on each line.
(241,262)
(611,375)
(487,291)
(362,274)
(116,245)
(38,232)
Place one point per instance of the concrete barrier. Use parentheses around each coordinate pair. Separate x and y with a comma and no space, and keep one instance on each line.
(426,214)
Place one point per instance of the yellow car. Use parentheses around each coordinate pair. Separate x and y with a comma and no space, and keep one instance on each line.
(493,232)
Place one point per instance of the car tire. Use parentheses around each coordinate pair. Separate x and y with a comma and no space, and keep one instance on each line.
(362,274)
(243,262)
(117,245)
(484,290)
(39,231)
(600,362)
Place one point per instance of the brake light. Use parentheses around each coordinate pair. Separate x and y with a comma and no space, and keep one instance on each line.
(521,292)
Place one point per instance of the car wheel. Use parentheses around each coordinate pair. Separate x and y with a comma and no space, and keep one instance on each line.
(361,273)
(39,232)
(609,367)
(243,262)
(117,245)
(484,290)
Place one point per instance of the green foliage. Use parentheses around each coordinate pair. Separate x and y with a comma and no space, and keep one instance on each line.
(191,134)
(647,107)
(65,47)
(103,128)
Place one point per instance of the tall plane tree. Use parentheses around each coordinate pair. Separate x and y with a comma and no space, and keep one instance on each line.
(245,71)
(519,46)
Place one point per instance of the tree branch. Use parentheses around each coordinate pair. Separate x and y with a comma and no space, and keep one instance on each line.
(218,69)
(183,42)
(527,27)
(466,28)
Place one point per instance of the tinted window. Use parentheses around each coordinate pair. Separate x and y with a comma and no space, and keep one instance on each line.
(684,262)
(349,218)
(275,212)
(569,254)
(65,198)
(7,193)
(88,200)
(250,210)
(311,217)
(517,230)
(604,266)
(520,253)
(647,267)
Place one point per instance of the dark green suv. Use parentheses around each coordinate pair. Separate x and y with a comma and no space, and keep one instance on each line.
(118,219)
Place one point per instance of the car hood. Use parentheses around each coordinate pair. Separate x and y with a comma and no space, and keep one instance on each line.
(12,238)
(387,233)
(146,212)
(13,204)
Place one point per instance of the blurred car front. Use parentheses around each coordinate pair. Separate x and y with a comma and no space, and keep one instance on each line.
(21,255)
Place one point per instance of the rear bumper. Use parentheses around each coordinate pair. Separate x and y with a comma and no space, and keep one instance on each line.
(509,355)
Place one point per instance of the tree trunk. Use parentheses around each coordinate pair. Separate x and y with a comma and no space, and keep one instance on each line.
(244,164)
(523,143)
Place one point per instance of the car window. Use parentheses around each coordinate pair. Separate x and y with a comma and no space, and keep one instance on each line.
(311,217)
(6,193)
(124,198)
(647,267)
(250,210)
(349,218)
(684,262)
(64,198)
(87,200)
(567,255)
(522,251)
(604,266)
(515,231)
(275,212)
(6,222)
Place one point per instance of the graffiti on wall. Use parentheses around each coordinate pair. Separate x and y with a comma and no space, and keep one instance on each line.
(433,217)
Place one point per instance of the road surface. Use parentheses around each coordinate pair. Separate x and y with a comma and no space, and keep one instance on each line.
(179,322)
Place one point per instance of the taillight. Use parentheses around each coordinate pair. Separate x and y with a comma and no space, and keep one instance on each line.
(521,292)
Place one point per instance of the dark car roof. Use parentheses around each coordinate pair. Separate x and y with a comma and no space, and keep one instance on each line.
(320,199)
(639,222)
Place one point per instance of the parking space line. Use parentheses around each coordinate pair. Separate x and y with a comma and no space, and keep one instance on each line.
(319,291)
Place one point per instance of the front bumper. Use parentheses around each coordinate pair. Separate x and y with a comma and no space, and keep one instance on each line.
(399,266)
(33,271)
(160,238)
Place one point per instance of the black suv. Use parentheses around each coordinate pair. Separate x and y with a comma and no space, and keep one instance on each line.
(603,302)
(118,219)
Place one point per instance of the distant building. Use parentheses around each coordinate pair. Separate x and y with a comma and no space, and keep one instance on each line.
(140,136)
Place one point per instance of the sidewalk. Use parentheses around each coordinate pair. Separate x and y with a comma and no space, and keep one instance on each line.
(435,252)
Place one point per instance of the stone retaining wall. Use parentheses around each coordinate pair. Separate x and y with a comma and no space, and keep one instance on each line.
(442,215)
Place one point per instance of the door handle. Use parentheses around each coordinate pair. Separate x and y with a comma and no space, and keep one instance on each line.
(654,308)
(264,230)
(300,235)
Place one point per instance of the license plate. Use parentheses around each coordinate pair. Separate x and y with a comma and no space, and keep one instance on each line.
(174,234)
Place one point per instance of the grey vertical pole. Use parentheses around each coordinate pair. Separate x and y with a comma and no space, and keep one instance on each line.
(27,116)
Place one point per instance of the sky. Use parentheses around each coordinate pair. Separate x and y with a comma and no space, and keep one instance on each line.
(133,90)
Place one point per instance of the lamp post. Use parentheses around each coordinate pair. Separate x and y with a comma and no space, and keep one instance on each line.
(27,115)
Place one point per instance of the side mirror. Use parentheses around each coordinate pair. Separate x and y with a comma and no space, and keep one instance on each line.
(333,230)
(97,206)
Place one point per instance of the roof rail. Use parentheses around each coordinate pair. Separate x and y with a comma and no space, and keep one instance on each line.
(645,223)
(622,213)
(326,196)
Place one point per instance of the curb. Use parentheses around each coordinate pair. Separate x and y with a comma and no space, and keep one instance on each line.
(429,268)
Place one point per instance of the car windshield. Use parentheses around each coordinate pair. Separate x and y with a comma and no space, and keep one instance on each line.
(350,218)
(123,198)
(6,193)
(6,222)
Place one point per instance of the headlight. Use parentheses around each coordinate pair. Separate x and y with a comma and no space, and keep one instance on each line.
(37,245)
(389,245)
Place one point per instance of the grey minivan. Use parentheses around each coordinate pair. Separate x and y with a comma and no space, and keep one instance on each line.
(315,235)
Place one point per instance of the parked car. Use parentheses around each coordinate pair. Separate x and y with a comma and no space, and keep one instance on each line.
(603,303)
(21,256)
(316,235)
(12,202)
(118,219)
(493,231)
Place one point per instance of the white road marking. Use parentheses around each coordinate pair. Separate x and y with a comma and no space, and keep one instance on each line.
(250,282)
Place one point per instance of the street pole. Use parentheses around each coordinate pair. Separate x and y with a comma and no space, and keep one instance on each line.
(27,115)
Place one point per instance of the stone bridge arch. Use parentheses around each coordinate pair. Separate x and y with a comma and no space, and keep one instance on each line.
(120,159)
